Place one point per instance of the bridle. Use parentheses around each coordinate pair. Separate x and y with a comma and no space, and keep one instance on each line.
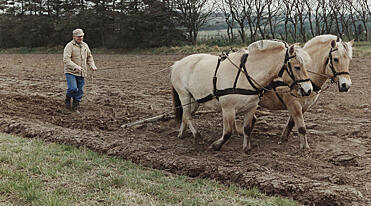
(289,71)
(330,63)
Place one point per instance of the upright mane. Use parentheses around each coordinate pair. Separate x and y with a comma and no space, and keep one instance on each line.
(265,45)
(301,55)
(317,41)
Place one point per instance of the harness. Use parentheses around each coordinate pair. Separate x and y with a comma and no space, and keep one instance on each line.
(331,65)
(255,91)
(329,62)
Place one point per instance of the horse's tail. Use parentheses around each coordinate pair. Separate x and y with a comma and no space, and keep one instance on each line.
(178,109)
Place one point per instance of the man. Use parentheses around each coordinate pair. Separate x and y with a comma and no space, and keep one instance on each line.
(77,59)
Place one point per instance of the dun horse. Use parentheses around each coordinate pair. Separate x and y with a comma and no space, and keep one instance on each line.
(330,59)
(204,78)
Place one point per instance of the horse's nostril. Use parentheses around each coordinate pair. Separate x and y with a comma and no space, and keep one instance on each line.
(343,85)
(304,93)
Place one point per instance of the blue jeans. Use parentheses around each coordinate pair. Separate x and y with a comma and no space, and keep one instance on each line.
(75,86)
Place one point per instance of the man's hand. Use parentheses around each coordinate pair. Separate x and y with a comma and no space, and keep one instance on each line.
(94,68)
(79,68)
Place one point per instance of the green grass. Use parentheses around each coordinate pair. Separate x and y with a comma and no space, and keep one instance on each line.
(33,172)
(362,49)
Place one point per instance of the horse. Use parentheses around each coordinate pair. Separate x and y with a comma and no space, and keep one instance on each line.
(195,81)
(330,60)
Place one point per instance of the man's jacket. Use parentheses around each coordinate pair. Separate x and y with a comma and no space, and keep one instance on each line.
(75,56)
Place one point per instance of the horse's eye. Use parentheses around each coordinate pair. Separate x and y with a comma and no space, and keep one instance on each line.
(297,68)
(336,60)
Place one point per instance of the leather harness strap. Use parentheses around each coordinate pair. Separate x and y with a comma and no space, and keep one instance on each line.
(234,90)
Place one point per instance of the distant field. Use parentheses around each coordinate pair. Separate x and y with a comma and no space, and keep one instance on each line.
(213,33)
(362,49)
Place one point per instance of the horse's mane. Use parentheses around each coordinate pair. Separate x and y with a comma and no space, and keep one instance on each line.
(265,45)
(343,47)
(301,55)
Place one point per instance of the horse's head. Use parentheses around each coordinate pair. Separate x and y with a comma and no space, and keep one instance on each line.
(337,63)
(296,62)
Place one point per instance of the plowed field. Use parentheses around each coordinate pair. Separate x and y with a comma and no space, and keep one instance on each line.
(336,170)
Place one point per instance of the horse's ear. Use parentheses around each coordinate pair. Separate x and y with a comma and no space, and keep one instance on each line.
(292,50)
(333,43)
(351,43)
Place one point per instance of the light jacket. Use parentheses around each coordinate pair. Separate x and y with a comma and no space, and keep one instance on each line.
(75,56)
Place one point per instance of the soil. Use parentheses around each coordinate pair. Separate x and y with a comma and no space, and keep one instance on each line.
(335,171)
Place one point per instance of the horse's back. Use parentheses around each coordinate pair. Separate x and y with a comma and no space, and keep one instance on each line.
(189,62)
(194,74)
(192,65)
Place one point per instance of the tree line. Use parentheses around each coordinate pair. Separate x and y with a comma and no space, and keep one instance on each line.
(153,23)
(296,20)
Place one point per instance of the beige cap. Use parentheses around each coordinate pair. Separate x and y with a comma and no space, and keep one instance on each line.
(78,32)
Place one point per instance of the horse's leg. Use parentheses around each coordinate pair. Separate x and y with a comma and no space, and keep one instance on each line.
(229,124)
(248,125)
(194,106)
(182,128)
(296,114)
(286,132)
(185,99)
(187,117)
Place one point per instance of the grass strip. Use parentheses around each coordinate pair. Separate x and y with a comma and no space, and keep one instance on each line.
(33,172)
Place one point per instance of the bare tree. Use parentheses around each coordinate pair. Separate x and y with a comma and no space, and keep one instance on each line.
(335,9)
(194,14)
(290,17)
(317,17)
(251,18)
(301,14)
(274,11)
(325,16)
(237,9)
(225,9)
(353,19)
(362,8)
(258,7)
(345,18)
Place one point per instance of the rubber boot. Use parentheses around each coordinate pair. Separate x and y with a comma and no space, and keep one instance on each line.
(75,106)
(67,101)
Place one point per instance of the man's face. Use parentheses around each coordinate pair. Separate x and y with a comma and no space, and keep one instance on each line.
(78,39)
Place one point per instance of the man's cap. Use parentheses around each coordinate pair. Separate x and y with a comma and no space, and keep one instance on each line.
(78,32)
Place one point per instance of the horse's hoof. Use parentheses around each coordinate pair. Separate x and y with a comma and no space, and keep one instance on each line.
(247,150)
(198,139)
(181,136)
(284,140)
(304,147)
(215,146)
(198,136)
